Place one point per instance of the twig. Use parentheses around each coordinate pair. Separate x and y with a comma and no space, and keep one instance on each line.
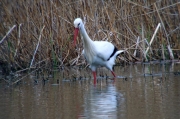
(155,32)
(6,81)
(75,60)
(19,34)
(129,28)
(65,57)
(137,44)
(143,43)
(133,45)
(147,43)
(150,12)
(24,76)
(168,46)
(34,66)
(7,33)
(37,46)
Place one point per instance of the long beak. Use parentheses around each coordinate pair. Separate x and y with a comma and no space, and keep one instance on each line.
(75,35)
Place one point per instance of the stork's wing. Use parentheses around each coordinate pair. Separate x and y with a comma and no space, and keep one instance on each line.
(104,49)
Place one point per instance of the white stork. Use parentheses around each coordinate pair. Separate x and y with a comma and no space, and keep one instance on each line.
(97,53)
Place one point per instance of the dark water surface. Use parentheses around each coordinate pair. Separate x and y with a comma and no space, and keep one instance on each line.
(149,91)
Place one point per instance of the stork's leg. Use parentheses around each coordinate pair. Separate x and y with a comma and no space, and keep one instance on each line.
(113,73)
(94,74)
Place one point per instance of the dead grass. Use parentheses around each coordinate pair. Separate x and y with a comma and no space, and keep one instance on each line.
(43,32)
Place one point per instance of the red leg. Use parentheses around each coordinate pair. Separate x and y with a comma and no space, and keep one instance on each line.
(94,74)
(113,73)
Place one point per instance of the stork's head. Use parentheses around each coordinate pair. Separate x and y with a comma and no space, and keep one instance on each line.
(77,25)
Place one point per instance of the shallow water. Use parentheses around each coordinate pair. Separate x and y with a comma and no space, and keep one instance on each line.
(140,91)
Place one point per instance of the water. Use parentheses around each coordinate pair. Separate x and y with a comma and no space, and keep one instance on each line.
(150,91)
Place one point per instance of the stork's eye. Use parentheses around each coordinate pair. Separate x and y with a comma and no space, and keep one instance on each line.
(78,24)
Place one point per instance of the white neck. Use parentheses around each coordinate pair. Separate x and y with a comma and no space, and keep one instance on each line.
(88,44)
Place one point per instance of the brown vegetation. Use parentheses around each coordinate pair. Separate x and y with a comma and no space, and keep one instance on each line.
(36,33)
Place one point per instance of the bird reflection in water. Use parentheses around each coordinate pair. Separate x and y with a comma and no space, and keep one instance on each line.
(103,102)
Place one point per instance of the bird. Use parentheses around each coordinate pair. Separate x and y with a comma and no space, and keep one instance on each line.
(97,53)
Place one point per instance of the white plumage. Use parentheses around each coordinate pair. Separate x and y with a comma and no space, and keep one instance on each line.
(97,53)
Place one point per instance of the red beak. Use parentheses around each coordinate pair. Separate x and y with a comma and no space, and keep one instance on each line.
(75,35)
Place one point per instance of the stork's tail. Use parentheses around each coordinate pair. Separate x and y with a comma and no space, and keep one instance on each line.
(111,62)
(119,52)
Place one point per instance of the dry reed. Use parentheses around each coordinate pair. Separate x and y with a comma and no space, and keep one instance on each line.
(36,32)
